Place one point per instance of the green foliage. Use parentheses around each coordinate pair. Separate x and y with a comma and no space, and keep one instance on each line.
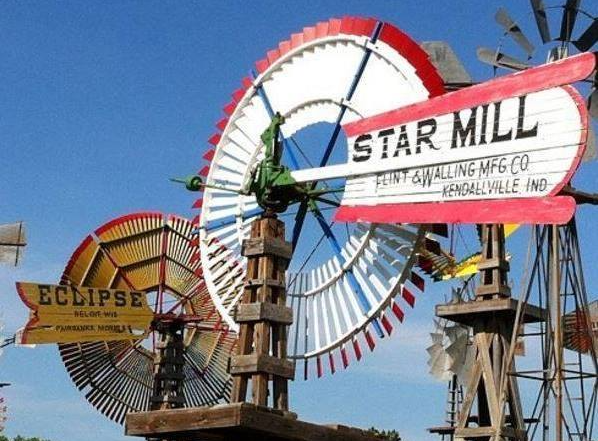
(387,435)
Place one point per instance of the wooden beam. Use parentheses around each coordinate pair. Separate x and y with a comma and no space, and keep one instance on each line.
(236,421)
(254,312)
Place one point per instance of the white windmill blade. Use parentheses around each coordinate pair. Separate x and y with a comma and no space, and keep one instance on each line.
(12,243)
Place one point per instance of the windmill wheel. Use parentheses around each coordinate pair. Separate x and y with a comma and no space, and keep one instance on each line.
(564,28)
(153,253)
(326,75)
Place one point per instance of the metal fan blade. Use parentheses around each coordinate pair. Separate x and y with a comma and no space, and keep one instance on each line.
(503,18)
(456,332)
(569,17)
(446,61)
(498,59)
(541,20)
(590,153)
(588,38)
(12,242)
(436,338)
(457,353)
(464,372)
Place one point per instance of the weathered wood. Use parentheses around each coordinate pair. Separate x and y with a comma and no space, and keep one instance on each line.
(262,364)
(253,312)
(236,421)
(270,282)
(255,247)
(484,432)
(468,312)
(492,316)
(263,318)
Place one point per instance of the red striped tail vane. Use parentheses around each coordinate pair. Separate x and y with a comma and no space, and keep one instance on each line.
(153,255)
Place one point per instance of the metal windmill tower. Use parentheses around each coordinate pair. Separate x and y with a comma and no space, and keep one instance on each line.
(566,403)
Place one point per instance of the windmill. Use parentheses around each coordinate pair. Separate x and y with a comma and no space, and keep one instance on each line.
(12,243)
(569,16)
(347,284)
(346,294)
(183,360)
(568,382)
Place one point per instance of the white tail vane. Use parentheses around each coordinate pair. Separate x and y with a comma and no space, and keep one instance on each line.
(12,243)
(335,72)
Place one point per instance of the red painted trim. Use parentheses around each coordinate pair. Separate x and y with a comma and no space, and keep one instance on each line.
(369,340)
(194,242)
(397,311)
(204,171)
(357,349)
(215,139)
(246,82)
(387,325)
(331,363)
(296,40)
(535,79)
(198,203)
(309,34)
(229,108)
(284,47)
(417,281)
(126,218)
(209,155)
(238,94)
(408,296)
(334,26)
(261,65)
(547,210)
(24,298)
(321,29)
(195,221)
(221,125)
(344,357)
(272,55)
(319,367)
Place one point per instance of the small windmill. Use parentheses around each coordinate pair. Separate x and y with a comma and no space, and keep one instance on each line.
(451,357)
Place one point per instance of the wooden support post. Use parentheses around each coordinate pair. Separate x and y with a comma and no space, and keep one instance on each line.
(168,368)
(492,317)
(263,318)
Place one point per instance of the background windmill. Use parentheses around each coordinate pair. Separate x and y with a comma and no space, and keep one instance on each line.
(565,405)
(563,29)
(153,253)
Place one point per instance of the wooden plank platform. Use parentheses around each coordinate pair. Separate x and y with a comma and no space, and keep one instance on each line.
(468,313)
(236,421)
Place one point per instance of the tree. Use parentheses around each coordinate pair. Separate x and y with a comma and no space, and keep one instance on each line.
(387,435)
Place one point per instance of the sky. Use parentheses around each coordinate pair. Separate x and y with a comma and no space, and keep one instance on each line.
(102,102)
